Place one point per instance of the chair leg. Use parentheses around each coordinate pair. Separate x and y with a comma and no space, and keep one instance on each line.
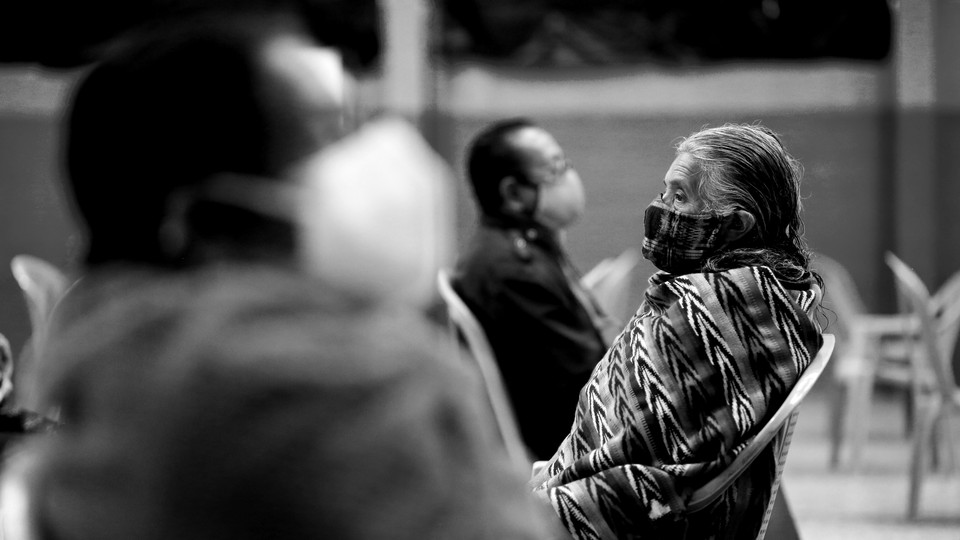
(926,419)
(838,397)
(949,435)
(857,419)
(782,525)
(944,442)
(909,413)
(936,440)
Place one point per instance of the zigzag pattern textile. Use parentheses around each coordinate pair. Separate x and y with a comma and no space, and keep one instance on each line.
(689,381)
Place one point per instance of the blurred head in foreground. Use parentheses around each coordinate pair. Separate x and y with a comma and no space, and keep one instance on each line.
(265,407)
(174,105)
(223,138)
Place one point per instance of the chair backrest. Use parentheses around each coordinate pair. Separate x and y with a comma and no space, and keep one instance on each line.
(840,291)
(610,281)
(939,324)
(465,325)
(42,283)
(781,423)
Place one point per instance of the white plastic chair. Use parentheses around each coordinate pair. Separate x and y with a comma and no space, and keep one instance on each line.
(43,284)
(777,431)
(465,324)
(872,347)
(610,282)
(936,393)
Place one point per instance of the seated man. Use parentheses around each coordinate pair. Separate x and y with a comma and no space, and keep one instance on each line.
(212,382)
(546,330)
(724,331)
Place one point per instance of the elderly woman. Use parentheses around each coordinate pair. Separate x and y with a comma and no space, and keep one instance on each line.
(723,332)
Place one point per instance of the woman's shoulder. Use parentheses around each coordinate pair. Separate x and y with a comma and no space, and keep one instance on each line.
(746,283)
(744,275)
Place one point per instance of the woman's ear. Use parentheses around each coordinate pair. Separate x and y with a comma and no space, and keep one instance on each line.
(738,225)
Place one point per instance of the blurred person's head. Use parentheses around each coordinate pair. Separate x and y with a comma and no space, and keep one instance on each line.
(262,407)
(519,171)
(171,106)
(731,198)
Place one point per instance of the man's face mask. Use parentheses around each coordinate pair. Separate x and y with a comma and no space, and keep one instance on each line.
(373,211)
(678,243)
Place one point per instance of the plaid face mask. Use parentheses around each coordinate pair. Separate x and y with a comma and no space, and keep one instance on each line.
(677,243)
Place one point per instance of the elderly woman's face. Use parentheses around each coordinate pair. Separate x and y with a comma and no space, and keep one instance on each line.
(679,231)
(681,186)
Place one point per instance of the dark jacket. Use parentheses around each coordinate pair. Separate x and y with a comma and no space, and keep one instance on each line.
(517,280)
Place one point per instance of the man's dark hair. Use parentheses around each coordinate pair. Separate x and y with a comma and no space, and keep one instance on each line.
(169,107)
(493,157)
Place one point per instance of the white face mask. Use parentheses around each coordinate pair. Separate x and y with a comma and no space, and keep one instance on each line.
(374,211)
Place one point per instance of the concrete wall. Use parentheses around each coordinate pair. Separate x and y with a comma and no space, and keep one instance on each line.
(877,140)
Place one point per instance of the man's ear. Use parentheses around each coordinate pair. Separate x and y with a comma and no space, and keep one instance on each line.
(512,195)
(738,225)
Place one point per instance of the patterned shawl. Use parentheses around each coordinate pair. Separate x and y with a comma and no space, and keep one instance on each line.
(690,380)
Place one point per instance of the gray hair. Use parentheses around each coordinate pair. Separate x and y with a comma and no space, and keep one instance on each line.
(744,166)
